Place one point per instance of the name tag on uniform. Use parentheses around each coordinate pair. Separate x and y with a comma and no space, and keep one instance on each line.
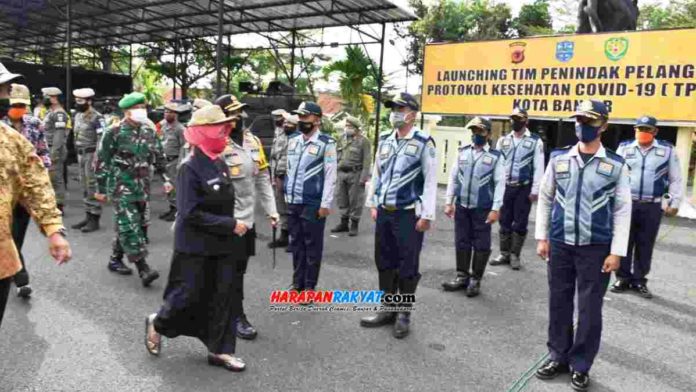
(384,151)
(660,152)
(60,125)
(562,167)
(631,153)
(463,160)
(605,169)
(313,150)
(411,150)
(293,145)
(528,144)
(506,143)
(215,180)
(488,160)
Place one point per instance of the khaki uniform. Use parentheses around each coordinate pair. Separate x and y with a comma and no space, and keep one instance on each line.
(56,131)
(172,144)
(88,129)
(354,164)
(279,168)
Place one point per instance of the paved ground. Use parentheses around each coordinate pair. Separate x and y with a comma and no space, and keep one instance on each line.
(83,329)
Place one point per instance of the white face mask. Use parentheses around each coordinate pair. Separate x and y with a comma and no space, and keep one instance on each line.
(397,119)
(139,115)
(350,131)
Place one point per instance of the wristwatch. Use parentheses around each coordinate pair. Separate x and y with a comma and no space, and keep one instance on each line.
(62,232)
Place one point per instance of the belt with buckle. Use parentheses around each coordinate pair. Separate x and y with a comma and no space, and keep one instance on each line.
(648,200)
(86,150)
(389,208)
(518,183)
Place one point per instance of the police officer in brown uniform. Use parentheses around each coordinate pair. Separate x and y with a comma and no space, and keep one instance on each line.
(173,132)
(354,164)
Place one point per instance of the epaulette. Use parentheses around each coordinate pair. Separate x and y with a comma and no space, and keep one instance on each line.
(464,147)
(326,138)
(626,142)
(535,136)
(384,135)
(560,151)
(495,152)
(665,143)
(613,155)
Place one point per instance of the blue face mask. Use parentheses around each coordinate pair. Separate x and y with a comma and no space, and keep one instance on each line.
(586,133)
(478,140)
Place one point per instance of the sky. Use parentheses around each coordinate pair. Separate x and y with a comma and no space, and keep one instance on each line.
(394,54)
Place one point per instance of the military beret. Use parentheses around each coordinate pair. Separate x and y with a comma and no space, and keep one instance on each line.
(51,91)
(84,93)
(130,100)
(354,122)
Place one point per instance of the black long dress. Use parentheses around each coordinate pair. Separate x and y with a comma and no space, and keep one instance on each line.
(201,299)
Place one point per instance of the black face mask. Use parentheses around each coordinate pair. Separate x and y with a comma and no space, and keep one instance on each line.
(238,127)
(305,127)
(289,130)
(4,106)
(81,107)
(47,102)
(279,123)
(518,125)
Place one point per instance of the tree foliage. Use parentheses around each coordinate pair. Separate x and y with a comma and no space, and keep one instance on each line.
(357,79)
(534,19)
(679,13)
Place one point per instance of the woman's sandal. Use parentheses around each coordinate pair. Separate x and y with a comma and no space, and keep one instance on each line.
(151,346)
(232,364)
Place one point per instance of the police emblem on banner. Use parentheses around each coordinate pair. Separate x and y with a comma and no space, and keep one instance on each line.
(517,52)
(616,48)
(565,51)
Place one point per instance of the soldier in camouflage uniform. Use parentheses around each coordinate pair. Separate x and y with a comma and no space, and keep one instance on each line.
(89,125)
(173,132)
(354,164)
(279,167)
(126,153)
(56,132)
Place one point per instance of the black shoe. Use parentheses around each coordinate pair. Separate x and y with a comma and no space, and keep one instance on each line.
(402,324)
(353,228)
(643,291)
(92,224)
(381,318)
(341,227)
(281,242)
(234,365)
(459,283)
(505,245)
(24,291)
(515,262)
(474,288)
(147,275)
(169,216)
(81,223)
(516,250)
(551,369)
(245,330)
(116,265)
(620,286)
(503,258)
(580,381)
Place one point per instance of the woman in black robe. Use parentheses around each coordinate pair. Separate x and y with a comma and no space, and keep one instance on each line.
(201,299)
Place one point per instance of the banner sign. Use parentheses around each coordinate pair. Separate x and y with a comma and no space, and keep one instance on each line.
(635,73)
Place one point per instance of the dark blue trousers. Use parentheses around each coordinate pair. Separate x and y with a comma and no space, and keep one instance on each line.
(471,230)
(645,224)
(306,244)
(397,242)
(570,268)
(514,215)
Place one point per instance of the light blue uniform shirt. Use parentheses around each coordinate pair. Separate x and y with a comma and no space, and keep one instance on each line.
(477,179)
(524,159)
(311,175)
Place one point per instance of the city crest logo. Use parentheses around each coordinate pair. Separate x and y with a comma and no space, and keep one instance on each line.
(616,48)
(565,51)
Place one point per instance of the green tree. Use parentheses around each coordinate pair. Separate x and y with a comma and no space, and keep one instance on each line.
(357,79)
(149,83)
(679,13)
(534,19)
(194,60)
(450,20)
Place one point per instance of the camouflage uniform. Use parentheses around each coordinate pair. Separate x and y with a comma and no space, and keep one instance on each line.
(89,126)
(173,142)
(124,159)
(56,131)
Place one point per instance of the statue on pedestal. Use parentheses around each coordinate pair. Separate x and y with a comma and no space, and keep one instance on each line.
(596,16)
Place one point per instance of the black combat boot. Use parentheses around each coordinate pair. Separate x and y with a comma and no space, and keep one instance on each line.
(244,328)
(387,283)
(515,250)
(505,245)
(341,227)
(92,224)
(479,267)
(403,318)
(81,223)
(146,274)
(281,242)
(353,228)
(170,215)
(116,264)
(461,282)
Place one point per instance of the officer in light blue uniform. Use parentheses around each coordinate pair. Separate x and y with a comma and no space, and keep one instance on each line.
(655,175)
(524,168)
(309,192)
(401,198)
(582,227)
(477,184)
